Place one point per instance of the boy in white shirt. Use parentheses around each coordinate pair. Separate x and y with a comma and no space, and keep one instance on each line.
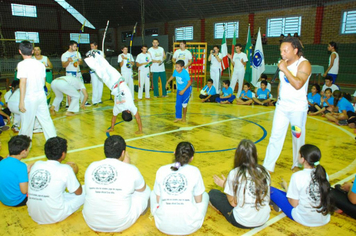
(48,202)
(215,58)
(329,84)
(126,62)
(116,193)
(183,54)
(143,62)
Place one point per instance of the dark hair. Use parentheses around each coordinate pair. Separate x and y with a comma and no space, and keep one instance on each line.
(296,44)
(317,86)
(26,48)
(328,77)
(248,84)
(249,170)
(155,39)
(72,42)
(18,143)
(337,95)
(211,81)
(95,43)
(264,82)
(126,116)
(184,151)
(347,96)
(216,46)
(124,47)
(329,89)
(0,93)
(264,76)
(15,83)
(144,46)
(333,44)
(312,156)
(238,45)
(180,62)
(184,42)
(227,82)
(55,147)
(113,146)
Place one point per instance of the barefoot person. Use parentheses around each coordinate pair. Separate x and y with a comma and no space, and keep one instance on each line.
(183,91)
(292,105)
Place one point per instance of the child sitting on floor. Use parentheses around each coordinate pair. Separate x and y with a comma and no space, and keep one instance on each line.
(327,103)
(226,96)
(345,109)
(208,93)
(314,98)
(263,95)
(246,96)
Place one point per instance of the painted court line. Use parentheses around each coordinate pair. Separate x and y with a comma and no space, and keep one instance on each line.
(153,135)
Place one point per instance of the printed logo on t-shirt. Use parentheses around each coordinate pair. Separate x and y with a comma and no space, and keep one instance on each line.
(181,56)
(313,192)
(175,184)
(179,80)
(40,180)
(104,174)
(121,97)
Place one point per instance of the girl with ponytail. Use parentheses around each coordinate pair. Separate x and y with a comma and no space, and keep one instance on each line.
(308,200)
(178,200)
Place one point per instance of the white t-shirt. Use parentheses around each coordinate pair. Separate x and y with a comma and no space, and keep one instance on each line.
(124,100)
(214,62)
(109,184)
(177,210)
(335,68)
(333,87)
(143,58)
(300,188)
(157,54)
(46,187)
(72,66)
(7,95)
(237,60)
(74,81)
(291,99)
(15,97)
(245,212)
(124,68)
(44,60)
(185,55)
(35,73)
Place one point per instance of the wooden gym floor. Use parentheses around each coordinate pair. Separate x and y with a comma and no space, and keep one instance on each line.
(215,130)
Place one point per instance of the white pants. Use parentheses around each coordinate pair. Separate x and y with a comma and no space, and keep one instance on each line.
(72,203)
(139,203)
(97,87)
(215,76)
(281,121)
(61,87)
(163,226)
(36,107)
(237,75)
(129,81)
(144,79)
(14,108)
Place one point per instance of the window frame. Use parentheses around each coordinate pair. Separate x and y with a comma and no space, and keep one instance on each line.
(27,37)
(75,37)
(184,28)
(26,10)
(228,35)
(284,26)
(344,26)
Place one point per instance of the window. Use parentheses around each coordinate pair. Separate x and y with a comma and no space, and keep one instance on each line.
(31,36)
(287,25)
(349,22)
(184,33)
(75,13)
(84,38)
(23,10)
(230,27)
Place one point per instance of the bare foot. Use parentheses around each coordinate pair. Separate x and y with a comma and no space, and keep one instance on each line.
(68,113)
(337,122)
(148,98)
(53,113)
(138,132)
(223,102)
(177,120)
(184,120)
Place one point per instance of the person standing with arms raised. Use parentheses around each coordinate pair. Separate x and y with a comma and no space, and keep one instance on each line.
(292,104)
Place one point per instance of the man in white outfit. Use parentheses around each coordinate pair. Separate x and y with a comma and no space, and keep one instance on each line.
(70,86)
(183,54)
(96,82)
(157,68)
(126,62)
(33,103)
(143,61)
(239,62)
(292,104)
(215,58)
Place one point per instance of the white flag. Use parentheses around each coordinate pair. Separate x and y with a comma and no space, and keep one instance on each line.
(258,60)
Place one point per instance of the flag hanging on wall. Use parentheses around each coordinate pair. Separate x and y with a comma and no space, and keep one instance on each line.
(258,60)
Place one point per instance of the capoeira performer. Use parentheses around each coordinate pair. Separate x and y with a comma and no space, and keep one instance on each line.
(116,83)
(239,62)
(292,104)
(126,62)
(71,86)
(33,103)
